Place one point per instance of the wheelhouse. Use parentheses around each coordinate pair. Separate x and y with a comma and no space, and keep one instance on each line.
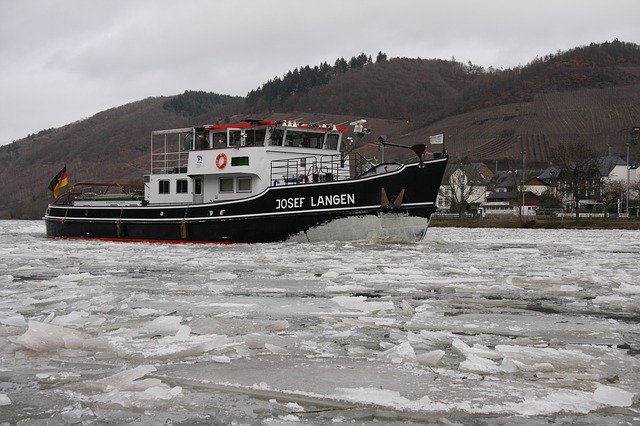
(224,162)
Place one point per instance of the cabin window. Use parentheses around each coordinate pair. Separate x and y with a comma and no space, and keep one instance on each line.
(304,139)
(219,140)
(239,161)
(181,186)
(163,187)
(332,141)
(255,137)
(197,186)
(226,184)
(235,136)
(201,141)
(244,184)
(275,137)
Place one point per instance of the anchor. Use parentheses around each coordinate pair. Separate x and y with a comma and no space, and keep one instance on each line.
(394,204)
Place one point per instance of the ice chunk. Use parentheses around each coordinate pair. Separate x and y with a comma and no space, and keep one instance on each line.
(164,325)
(572,401)
(629,289)
(275,349)
(376,396)
(183,332)
(535,367)
(557,358)
(163,392)
(430,358)
(360,303)
(508,366)
(613,396)
(43,337)
(78,319)
(125,380)
(478,364)
(4,400)
(294,407)
(406,308)
(14,321)
(400,353)
(220,276)
(477,350)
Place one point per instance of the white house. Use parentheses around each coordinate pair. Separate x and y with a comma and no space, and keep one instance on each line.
(464,184)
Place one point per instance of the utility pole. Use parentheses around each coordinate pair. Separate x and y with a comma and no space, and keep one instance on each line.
(635,134)
(524,154)
(627,200)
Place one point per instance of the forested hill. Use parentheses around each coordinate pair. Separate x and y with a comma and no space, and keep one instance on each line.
(588,94)
(409,89)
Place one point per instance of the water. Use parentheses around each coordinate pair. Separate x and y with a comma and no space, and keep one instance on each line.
(471,325)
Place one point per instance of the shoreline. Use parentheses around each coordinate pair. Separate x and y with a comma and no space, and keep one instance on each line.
(537,223)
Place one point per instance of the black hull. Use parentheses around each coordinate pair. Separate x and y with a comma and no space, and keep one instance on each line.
(304,211)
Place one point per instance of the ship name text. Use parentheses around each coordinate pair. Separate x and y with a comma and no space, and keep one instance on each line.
(315,201)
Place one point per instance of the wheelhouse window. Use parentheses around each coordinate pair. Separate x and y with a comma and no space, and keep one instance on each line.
(331,141)
(244,184)
(226,184)
(301,139)
(219,140)
(181,186)
(255,137)
(235,136)
(163,187)
(195,141)
(275,137)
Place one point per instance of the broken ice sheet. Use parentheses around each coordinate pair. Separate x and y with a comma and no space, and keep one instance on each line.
(127,388)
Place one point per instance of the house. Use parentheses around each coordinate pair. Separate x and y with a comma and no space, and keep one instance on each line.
(538,186)
(504,181)
(613,168)
(508,204)
(463,185)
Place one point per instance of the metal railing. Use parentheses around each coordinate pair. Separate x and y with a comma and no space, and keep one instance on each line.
(324,168)
(168,154)
(83,191)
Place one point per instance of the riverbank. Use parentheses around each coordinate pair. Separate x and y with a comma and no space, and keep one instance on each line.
(537,222)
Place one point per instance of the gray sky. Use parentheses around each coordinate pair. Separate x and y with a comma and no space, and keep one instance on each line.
(65,60)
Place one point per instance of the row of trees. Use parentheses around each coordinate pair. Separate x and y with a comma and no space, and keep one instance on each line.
(301,80)
(194,102)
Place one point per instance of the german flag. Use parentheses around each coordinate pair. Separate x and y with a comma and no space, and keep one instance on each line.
(60,181)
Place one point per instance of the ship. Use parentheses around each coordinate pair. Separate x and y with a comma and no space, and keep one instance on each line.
(258,181)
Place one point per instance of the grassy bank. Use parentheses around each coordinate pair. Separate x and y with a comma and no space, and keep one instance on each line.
(538,222)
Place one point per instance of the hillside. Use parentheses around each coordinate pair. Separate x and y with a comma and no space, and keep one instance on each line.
(588,94)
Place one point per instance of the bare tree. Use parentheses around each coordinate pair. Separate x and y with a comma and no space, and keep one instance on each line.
(464,185)
(579,172)
(611,193)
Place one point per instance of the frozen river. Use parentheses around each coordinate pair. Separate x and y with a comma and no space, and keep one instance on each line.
(470,325)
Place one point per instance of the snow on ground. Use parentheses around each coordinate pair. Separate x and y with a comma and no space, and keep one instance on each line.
(512,325)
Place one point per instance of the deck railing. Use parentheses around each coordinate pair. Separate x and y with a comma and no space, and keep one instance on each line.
(101,192)
(168,151)
(324,168)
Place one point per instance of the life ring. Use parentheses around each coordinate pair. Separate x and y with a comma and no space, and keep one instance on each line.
(221,160)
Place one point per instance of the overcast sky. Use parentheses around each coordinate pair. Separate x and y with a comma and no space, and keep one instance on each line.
(65,60)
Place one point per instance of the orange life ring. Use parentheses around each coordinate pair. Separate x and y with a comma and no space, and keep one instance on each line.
(221,160)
